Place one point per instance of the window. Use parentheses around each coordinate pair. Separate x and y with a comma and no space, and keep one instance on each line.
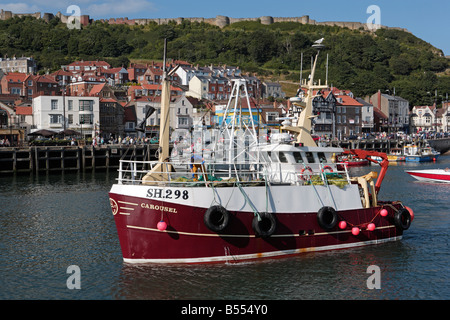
(271,116)
(86,118)
(182,121)
(282,157)
(16,91)
(55,118)
(322,157)
(54,104)
(310,157)
(298,157)
(70,105)
(86,105)
(70,119)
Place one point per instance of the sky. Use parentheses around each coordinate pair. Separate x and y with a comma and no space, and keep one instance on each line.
(426,19)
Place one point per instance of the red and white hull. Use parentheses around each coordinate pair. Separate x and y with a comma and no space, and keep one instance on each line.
(138,209)
(431,175)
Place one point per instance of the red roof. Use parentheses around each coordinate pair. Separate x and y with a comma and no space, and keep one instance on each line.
(90,63)
(24,111)
(151,87)
(96,89)
(108,100)
(46,79)
(61,72)
(347,101)
(15,77)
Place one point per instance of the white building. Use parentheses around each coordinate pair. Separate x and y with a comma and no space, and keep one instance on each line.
(423,118)
(181,110)
(272,89)
(186,73)
(81,113)
(198,87)
(21,64)
(367,118)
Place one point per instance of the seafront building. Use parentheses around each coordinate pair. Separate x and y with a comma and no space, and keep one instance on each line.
(82,113)
(95,99)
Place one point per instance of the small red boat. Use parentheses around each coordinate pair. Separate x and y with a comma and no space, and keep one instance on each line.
(349,160)
(431,175)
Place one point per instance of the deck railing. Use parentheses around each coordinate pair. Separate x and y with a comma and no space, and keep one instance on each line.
(224,174)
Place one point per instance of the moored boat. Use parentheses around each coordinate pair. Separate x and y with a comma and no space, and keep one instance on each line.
(249,200)
(431,175)
(415,153)
(396,155)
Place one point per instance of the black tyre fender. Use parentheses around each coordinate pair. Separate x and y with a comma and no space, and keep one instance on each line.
(216,218)
(327,218)
(402,219)
(266,225)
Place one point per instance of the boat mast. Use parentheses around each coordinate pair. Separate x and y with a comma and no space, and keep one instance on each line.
(165,108)
(304,124)
(159,171)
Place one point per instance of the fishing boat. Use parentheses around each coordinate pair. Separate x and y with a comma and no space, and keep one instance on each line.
(396,155)
(248,200)
(431,175)
(415,153)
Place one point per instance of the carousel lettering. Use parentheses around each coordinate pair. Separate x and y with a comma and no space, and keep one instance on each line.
(158,208)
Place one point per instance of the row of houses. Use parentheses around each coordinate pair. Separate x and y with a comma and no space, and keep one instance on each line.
(86,97)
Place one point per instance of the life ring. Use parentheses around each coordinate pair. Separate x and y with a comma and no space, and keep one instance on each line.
(330,170)
(327,218)
(216,218)
(402,219)
(264,226)
(303,177)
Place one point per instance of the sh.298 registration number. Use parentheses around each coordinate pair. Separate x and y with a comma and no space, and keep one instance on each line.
(159,193)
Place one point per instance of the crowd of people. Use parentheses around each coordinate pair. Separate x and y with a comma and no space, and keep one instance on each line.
(4,142)
(119,140)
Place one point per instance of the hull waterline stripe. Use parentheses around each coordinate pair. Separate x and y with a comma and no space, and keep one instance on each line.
(234,258)
(246,236)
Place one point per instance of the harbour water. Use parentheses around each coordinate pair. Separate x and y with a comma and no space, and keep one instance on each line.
(49,222)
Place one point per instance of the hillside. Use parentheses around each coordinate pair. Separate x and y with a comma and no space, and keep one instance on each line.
(358,60)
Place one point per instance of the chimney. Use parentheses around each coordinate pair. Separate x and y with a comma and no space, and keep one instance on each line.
(379,99)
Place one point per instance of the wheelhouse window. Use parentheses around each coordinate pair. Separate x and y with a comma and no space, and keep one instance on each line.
(322,157)
(310,157)
(298,157)
(282,157)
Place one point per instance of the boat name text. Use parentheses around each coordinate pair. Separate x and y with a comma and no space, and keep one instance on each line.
(159,193)
(156,207)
